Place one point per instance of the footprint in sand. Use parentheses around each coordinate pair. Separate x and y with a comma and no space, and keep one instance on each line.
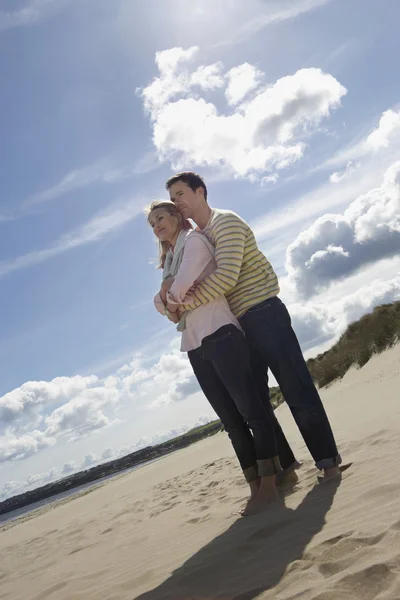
(328,595)
(367,583)
(344,546)
(197,520)
(163,509)
(395,526)
(213,484)
(388,490)
(50,591)
(80,548)
(109,530)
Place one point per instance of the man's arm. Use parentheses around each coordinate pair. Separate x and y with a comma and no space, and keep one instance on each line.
(196,257)
(230,238)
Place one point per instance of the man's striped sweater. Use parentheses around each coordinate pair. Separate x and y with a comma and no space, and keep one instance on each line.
(243,273)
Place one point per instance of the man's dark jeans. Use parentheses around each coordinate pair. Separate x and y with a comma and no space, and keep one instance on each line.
(260,376)
(222,367)
(269,332)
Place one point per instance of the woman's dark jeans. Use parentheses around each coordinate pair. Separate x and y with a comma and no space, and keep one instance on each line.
(269,333)
(222,367)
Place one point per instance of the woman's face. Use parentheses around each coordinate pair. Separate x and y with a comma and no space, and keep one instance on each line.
(165,225)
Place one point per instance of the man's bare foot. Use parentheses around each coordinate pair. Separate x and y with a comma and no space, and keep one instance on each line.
(267,495)
(331,473)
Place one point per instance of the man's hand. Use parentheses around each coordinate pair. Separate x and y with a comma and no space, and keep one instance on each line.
(165,287)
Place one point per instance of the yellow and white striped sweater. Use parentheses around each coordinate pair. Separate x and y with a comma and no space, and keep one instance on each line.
(243,273)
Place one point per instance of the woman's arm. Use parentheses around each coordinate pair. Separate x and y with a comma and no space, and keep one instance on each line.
(196,256)
(159,304)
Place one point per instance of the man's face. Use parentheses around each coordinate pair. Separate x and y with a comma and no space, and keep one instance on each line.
(185,199)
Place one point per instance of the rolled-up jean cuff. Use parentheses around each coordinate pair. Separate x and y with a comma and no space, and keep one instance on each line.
(327,463)
(268,466)
(251,473)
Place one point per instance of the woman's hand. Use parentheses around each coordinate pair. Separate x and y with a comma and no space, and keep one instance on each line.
(172,312)
(165,287)
(174,317)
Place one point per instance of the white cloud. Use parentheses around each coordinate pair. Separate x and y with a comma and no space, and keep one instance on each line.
(335,245)
(69,467)
(208,77)
(83,414)
(28,444)
(174,79)
(241,80)
(30,13)
(168,61)
(168,380)
(89,461)
(323,320)
(274,12)
(40,414)
(260,137)
(9,489)
(164,436)
(12,488)
(158,438)
(40,479)
(99,226)
(99,172)
(291,215)
(370,144)
(107,454)
(360,170)
(269,179)
(389,126)
(37,414)
(141,443)
(338,176)
(26,401)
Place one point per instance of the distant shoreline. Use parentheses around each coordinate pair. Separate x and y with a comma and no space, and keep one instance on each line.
(34,509)
(84,480)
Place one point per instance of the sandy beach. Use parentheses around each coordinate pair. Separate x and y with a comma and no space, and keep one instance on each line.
(168,530)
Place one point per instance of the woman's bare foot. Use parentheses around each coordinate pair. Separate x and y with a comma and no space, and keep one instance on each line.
(287,478)
(266,495)
(254,488)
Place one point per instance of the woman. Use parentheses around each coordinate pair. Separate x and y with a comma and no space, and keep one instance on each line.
(214,341)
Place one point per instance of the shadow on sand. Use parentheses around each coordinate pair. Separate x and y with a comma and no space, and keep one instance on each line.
(252,556)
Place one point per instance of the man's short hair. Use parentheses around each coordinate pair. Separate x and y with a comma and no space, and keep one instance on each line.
(191,179)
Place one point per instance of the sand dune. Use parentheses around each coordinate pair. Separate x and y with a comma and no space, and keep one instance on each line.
(168,529)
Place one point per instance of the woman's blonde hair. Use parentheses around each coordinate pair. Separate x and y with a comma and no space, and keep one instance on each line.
(171,209)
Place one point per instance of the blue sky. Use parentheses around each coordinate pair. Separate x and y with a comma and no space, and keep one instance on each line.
(289,109)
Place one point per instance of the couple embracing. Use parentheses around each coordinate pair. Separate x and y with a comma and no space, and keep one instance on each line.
(222,293)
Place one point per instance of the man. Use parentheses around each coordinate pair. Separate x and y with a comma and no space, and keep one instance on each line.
(248,281)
